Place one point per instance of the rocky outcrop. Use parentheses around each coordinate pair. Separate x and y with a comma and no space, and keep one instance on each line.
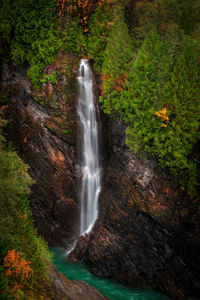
(148,230)
(78,252)
(72,290)
(42,128)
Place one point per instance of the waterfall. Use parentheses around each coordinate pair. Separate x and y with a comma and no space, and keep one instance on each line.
(89,163)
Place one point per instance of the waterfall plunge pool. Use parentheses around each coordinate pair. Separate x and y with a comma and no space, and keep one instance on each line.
(109,289)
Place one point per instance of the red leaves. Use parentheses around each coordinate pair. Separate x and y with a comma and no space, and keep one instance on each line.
(119,82)
(103,78)
(167,191)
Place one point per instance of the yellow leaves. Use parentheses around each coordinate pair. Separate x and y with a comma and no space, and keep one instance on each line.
(110,24)
(103,35)
(162,114)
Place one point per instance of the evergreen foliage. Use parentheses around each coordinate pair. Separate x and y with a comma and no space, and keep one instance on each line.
(159,95)
(145,85)
(118,56)
(100,25)
(32,34)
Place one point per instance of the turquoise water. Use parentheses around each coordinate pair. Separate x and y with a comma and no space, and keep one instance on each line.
(109,289)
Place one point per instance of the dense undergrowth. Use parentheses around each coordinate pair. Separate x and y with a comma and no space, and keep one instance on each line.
(147,54)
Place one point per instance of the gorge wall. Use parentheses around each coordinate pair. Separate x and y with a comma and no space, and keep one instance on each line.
(44,135)
(148,230)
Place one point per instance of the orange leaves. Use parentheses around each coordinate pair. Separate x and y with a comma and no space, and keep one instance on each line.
(103,78)
(162,114)
(16,266)
(24,217)
(82,3)
(82,8)
(119,82)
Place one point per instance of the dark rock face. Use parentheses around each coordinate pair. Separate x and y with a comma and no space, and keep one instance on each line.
(78,252)
(72,290)
(148,230)
(45,138)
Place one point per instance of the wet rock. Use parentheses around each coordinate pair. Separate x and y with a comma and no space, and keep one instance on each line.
(72,290)
(79,250)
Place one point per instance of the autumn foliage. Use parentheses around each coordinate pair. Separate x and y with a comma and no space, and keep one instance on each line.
(81,8)
(162,114)
(16,266)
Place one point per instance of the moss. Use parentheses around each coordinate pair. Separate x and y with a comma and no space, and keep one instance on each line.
(4,100)
(50,128)
(67,131)
(52,78)
(39,99)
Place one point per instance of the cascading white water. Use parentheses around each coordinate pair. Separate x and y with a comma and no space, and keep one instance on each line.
(89,148)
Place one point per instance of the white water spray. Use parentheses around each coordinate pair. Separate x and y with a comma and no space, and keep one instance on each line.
(89,149)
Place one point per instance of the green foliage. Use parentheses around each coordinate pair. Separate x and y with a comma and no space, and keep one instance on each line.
(100,25)
(190,14)
(171,143)
(17,231)
(145,83)
(117,59)
(43,52)
(73,39)
(159,100)
(29,30)
(32,33)
(51,78)
(157,15)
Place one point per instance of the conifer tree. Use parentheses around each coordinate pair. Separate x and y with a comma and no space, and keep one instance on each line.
(183,99)
(118,56)
(145,84)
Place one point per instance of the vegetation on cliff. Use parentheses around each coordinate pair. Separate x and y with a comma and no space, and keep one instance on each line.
(23,255)
(151,79)
(147,54)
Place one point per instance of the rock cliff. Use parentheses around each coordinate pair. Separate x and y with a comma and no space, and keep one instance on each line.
(42,128)
(148,230)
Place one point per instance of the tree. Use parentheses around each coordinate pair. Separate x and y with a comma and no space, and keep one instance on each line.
(118,56)
(145,85)
(182,96)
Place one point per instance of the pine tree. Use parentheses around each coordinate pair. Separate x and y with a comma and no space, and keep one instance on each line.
(118,56)
(145,84)
(183,99)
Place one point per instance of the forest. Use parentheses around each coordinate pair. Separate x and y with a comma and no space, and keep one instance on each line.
(146,57)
